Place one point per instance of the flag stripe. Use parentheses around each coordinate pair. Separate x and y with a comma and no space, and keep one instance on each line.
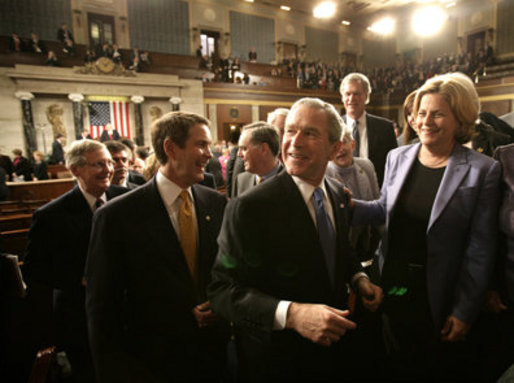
(114,112)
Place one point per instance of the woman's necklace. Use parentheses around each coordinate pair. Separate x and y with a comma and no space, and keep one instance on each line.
(431,163)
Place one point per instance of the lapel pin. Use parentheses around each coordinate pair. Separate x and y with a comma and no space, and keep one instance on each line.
(208,218)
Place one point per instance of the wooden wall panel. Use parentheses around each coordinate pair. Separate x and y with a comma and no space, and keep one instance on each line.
(239,115)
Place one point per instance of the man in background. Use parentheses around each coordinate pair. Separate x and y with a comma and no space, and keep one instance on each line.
(374,136)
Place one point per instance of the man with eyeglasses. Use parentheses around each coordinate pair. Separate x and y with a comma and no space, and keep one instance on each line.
(57,249)
(121,156)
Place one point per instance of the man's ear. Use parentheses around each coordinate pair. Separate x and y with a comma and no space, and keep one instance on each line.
(354,143)
(169,147)
(74,169)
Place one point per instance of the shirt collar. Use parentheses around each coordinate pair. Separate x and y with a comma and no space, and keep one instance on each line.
(306,189)
(361,119)
(169,190)
(91,199)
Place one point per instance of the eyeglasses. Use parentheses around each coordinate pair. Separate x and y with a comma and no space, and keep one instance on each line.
(101,164)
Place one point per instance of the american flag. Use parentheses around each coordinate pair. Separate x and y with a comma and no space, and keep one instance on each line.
(103,112)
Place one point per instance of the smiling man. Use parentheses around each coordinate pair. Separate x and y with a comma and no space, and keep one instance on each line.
(149,264)
(374,136)
(258,148)
(58,244)
(284,260)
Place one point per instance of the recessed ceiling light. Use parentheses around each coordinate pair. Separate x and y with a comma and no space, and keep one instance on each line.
(345,22)
(325,10)
(452,4)
(285,8)
(249,1)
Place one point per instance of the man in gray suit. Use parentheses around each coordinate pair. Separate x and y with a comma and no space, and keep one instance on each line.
(374,136)
(258,148)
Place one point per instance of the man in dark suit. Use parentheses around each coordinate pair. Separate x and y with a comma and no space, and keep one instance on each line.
(57,151)
(57,248)
(35,44)
(284,261)
(109,133)
(148,266)
(121,156)
(64,34)
(374,136)
(258,148)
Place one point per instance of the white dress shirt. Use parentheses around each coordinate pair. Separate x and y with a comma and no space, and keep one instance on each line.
(170,194)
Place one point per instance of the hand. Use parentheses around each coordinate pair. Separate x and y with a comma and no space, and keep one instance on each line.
(454,329)
(321,324)
(493,302)
(203,314)
(371,294)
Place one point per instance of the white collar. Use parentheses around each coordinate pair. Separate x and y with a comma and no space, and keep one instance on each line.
(91,199)
(306,189)
(169,190)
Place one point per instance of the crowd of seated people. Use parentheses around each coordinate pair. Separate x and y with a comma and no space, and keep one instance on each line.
(409,75)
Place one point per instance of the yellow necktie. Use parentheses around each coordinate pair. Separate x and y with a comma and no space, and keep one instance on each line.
(187,229)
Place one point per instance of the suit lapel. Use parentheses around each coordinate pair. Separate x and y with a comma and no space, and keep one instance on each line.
(456,170)
(398,174)
(335,193)
(204,218)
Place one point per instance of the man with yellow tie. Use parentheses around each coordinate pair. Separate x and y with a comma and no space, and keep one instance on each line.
(149,264)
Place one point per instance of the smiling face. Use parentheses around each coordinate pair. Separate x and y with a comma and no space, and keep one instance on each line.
(251,154)
(306,148)
(344,157)
(95,176)
(186,165)
(436,124)
(354,99)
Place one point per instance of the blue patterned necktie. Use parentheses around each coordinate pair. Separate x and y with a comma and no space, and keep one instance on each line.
(357,139)
(326,233)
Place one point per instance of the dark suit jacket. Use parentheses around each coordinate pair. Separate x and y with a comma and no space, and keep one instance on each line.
(381,140)
(140,293)
(270,251)
(56,255)
(62,37)
(23,168)
(105,136)
(57,152)
(208,180)
(503,279)
(462,230)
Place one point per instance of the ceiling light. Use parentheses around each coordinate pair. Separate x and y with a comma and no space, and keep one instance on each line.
(345,22)
(452,4)
(383,26)
(428,21)
(249,1)
(324,10)
(285,8)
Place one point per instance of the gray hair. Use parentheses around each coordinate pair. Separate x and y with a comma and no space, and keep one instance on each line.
(275,113)
(336,125)
(262,132)
(75,156)
(357,77)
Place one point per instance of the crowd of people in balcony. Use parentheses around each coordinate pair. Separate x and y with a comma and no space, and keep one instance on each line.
(406,75)
(138,59)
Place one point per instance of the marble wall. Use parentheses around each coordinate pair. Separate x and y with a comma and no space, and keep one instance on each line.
(51,86)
